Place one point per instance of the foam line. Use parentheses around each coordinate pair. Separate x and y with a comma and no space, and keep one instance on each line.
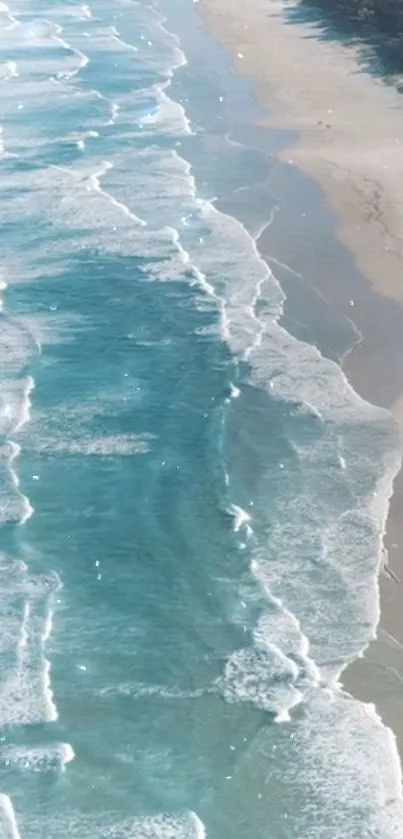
(6,10)
(93,183)
(83,58)
(116,36)
(12,71)
(23,639)
(24,417)
(241,519)
(202,280)
(95,180)
(115,108)
(50,706)
(199,826)
(26,404)
(8,818)
(21,684)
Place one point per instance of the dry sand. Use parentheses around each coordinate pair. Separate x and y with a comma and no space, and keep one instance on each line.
(349,136)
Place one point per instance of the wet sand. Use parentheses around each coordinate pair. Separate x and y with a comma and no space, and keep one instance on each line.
(348,137)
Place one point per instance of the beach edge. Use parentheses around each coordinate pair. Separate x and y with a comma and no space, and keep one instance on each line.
(354,171)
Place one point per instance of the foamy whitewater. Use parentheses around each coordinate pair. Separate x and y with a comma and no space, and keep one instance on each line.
(192,500)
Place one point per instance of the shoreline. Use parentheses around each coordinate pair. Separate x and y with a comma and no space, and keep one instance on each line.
(327,101)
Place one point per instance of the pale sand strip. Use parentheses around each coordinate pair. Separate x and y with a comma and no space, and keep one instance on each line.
(349,137)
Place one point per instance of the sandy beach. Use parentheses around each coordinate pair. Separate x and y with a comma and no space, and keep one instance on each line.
(348,134)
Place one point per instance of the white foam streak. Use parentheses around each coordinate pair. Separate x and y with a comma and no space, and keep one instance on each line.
(8,821)
(50,710)
(5,9)
(117,37)
(24,417)
(22,641)
(50,707)
(199,826)
(26,404)
(95,181)
(12,71)
(27,510)
(82,57)
(202,280)
(115,108)
(80,139)
(26,694)
(25,691)
(111,825)
(241,519)
(235,392)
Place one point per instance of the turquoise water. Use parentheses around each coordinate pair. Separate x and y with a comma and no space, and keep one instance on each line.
(192,500)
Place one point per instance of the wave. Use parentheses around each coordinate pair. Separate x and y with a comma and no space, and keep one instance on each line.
(296,529)
(218,259)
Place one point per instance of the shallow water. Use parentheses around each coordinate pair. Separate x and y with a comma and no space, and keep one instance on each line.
(192,500)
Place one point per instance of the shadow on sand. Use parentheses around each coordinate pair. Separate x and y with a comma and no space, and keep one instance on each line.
(375,26)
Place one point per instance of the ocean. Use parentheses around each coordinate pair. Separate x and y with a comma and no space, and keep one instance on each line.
(193,498)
